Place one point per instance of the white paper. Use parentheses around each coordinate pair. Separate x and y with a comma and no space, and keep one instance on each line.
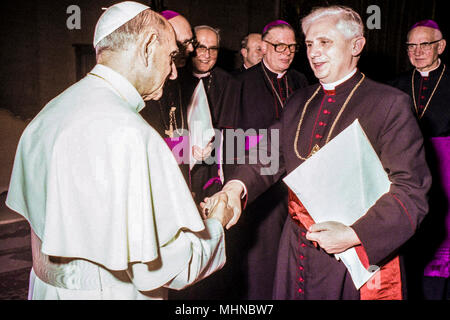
(340,183)
(201,130)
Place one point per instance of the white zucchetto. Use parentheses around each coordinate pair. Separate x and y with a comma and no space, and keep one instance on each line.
(115,17)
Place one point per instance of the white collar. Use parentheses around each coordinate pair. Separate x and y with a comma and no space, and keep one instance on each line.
(279,75)
(333,85)
(120,85)
(201,75)
(427,73)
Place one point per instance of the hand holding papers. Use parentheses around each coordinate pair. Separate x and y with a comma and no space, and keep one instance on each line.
(201,130)
(349,172)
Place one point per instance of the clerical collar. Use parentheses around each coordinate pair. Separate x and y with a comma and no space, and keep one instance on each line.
(201,75)
(279,75)
(120,85)
(332,86)
(427,73)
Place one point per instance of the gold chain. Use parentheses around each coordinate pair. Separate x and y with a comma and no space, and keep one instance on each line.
(315,149)
(273,88)
(414,95)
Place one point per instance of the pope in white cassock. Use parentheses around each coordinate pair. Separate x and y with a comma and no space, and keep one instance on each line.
(110,213)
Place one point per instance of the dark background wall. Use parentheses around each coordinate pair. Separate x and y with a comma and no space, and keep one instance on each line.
(40,56)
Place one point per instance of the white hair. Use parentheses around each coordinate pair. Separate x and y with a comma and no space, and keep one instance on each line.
(348,21)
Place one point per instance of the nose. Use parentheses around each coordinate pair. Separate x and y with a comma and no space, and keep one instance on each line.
(313,51)
(418,51)
(190,48)
(173,73)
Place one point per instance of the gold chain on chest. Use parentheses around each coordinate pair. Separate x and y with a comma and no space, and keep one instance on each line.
(432,93)
(316,147)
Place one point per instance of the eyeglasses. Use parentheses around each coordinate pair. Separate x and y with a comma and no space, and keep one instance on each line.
(201,49)
(425,46)
(187,42)
(281,47)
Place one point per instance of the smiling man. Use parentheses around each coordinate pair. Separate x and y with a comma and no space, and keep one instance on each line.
(265,89)
(306,267)
(428,83)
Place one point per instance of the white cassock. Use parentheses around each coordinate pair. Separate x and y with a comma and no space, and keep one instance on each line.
(110,212)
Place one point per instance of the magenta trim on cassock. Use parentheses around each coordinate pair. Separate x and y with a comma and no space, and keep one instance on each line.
(439,265)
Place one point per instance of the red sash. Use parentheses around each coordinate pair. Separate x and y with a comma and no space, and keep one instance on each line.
(386,284)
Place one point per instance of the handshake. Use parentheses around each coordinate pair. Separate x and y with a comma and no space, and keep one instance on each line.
(225,205)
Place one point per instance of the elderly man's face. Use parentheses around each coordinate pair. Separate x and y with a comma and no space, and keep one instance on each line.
(329,52)
(185,39)
(278,61)
(162,64)
(206,52)
(425,59)
(253,53)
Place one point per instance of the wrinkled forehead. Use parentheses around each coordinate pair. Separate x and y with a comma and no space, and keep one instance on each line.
(206,36)
(422,34)
(325,27)
(281,34)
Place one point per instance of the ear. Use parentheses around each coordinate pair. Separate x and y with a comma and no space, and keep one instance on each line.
(441,46)
(147,46)
(264,47)
(358,45)
(244,52)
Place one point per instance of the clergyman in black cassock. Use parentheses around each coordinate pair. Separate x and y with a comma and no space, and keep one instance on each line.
(429,85)
(306,266)
(263,95)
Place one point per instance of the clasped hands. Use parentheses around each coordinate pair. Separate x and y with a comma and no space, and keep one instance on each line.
(224,205)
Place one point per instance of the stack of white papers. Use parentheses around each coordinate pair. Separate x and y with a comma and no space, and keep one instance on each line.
(201,130)
(340,183)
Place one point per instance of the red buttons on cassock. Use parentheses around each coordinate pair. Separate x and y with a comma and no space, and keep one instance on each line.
(326,111)
(421,107)
(424,88)
(318,136)
(303,233)
(300,290)
(422,97)
(303,245)
(426,78)
(301,279)
(331,100)
(323,124)
(302,257)
(301,268)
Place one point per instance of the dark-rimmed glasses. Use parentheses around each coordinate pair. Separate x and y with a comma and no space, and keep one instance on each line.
(425,46)
(281,47)
(201,49)
(187,42)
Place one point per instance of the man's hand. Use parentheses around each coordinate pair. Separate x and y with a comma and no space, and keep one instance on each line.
(202,154)
(232,190)
(332,236)
(221,211)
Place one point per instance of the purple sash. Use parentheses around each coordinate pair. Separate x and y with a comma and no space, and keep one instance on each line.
(180,148)
(439,266)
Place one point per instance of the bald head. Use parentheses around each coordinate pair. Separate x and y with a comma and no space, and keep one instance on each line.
(184,37)
(251,49)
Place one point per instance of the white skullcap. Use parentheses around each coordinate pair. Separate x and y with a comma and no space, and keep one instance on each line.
(116,16)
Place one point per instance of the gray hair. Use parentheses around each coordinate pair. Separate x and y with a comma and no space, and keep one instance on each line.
(349,22)
(127,34)
(215,30)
